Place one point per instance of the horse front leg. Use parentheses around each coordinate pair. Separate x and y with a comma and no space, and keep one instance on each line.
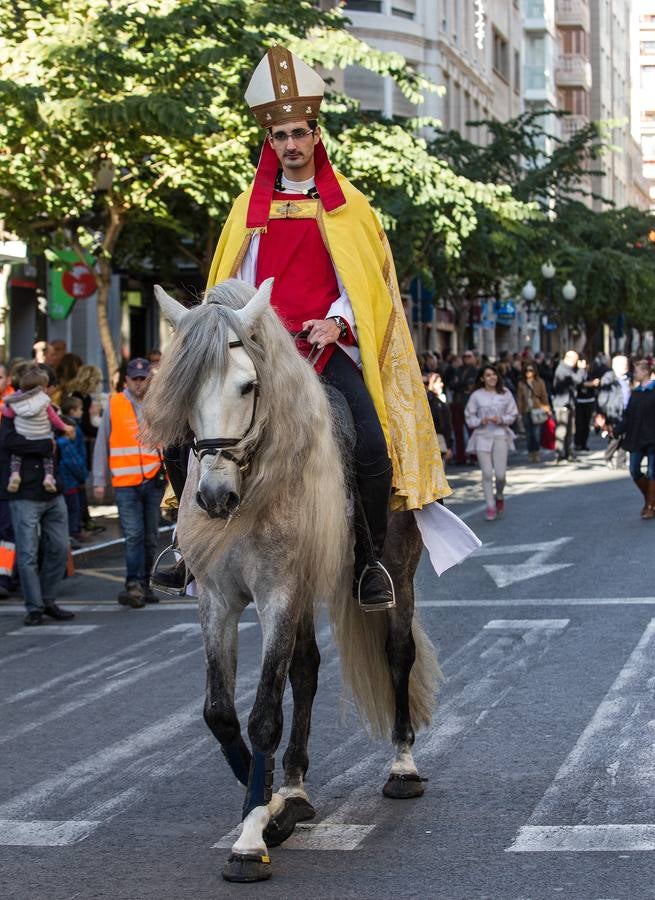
(303,676)
(249,860)
(220,622)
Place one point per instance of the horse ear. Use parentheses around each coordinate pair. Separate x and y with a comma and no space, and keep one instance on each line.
(172,311)
(252,311)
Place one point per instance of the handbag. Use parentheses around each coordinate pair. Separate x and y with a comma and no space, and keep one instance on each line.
(538,416)
(548,434)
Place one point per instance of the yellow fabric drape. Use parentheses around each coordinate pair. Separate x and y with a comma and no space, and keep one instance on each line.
(361,255)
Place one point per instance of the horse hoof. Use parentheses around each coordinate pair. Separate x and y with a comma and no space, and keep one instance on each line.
(247,867)
(281,827)
(403,787)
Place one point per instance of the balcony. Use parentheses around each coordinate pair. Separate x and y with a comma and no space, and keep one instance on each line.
(539,15)
(573,14)
(573,71)
(572,124)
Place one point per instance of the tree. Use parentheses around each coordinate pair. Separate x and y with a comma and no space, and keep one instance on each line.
(125,127)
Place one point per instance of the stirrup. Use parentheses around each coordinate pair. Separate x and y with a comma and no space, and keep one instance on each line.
(374,607)
(166,588)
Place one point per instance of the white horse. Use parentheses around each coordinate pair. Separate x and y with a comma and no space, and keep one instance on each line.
(264,519)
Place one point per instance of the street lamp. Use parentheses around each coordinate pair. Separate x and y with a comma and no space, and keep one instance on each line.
(548,270)
(569,291)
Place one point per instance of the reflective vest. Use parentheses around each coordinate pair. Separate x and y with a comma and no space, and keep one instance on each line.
(129,461)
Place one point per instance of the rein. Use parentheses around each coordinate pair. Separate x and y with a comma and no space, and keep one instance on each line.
(217,446)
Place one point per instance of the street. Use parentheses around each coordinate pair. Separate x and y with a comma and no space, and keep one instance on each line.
(540,758)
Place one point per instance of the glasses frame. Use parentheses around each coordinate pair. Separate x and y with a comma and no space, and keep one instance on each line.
(298,134)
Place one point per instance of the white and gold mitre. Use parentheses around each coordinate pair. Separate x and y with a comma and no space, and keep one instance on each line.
(284,89)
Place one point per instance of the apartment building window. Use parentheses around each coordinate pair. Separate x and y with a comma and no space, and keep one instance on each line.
(576,101)
(648,80)
(364,5)
(646,48)
(575,40)
(517,72)
(501,55)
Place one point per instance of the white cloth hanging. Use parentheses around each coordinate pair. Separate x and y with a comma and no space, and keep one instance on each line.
(447,539)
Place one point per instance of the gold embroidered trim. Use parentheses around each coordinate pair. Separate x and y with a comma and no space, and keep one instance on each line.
(321,226)
(277,112)
(387,338)
(293,209)
(243,249)
(385,270)
(283,73)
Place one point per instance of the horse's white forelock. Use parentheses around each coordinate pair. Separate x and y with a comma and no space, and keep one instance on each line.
(296,468)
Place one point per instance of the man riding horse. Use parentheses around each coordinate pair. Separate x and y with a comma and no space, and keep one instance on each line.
(336,292)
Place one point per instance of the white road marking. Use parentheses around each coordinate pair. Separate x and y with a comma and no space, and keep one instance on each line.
(45,833)
(538,601)
(535,566)
(45,630)
(194,627)
(608,779)
(583,838)
(308,836)
(479,676)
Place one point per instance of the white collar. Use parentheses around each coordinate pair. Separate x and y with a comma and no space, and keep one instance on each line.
(297,187)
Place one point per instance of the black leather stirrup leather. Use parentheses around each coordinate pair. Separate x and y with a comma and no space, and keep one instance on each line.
(374,587)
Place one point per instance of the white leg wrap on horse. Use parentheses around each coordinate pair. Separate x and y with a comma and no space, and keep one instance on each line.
(404,763)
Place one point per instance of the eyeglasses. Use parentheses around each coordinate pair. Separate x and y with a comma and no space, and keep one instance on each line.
(298,134)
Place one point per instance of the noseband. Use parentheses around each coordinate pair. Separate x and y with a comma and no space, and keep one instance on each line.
(217,446)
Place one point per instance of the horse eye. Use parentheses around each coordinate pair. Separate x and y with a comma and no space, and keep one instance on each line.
(247,388)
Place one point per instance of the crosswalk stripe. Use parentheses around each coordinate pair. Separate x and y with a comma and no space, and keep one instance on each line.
(608,776)
(49,630)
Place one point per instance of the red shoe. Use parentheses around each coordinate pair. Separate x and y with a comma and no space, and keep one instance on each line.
(491,514)
(500,505)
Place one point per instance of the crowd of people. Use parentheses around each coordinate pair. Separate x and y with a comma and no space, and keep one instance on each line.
(58,431)
(478,407)
(60,435)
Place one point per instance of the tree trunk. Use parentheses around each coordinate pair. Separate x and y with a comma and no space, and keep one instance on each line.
(114,228)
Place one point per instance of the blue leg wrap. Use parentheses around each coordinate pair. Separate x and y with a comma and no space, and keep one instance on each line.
(238,758)
(260,781)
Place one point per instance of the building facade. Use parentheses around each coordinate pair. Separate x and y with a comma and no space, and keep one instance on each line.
(646,91)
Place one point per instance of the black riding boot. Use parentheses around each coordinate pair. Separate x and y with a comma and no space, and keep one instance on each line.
(374,587)
(173,577)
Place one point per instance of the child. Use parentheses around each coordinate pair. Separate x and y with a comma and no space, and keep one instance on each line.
(34,417)
(73,470)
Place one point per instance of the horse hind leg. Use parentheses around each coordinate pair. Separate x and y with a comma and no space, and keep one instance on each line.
(404,782)
(303,676)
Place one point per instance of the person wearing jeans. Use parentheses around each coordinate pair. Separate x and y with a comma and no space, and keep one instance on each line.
(638,428)
(137,479)
(40,525)
(490,411)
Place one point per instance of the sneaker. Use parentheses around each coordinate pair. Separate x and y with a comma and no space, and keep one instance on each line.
(50,484)
(14,482)
(132,595)
(491,514)
(33,618)
(56,612)
(500,506)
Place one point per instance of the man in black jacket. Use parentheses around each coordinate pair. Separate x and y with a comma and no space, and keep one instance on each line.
(39,520)
(569,375)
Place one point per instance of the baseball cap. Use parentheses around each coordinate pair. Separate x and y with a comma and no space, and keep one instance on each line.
(138,368)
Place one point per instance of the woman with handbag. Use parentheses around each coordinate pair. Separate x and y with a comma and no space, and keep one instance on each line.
(534,408)
(490,411)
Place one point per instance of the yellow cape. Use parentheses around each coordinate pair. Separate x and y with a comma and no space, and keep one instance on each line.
(361,255)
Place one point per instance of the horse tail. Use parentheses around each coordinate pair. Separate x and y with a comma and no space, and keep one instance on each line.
(361,640)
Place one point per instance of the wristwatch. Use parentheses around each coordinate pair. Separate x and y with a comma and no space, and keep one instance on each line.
(343,327)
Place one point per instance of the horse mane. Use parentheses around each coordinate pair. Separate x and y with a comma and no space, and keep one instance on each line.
(296,474)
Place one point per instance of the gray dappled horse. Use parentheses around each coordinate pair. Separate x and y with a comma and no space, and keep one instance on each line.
(264,519)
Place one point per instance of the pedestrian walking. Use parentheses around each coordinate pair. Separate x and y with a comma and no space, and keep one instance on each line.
(489,413)
(39,521)
(569,375)
(440,413)
(534,408)
(138,480)
(638,430)
(7,542)
(613,398)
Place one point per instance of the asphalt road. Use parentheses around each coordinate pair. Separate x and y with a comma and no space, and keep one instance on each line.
(541,757)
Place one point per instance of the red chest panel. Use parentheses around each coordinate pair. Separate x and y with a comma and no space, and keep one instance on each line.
(292,251)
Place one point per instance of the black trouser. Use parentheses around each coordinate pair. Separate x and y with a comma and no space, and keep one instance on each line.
(372,464)
(583,413)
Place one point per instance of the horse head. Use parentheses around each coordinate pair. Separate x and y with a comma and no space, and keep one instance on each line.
(223,410)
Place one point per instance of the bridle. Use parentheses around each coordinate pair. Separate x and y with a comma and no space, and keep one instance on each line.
(217,446)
